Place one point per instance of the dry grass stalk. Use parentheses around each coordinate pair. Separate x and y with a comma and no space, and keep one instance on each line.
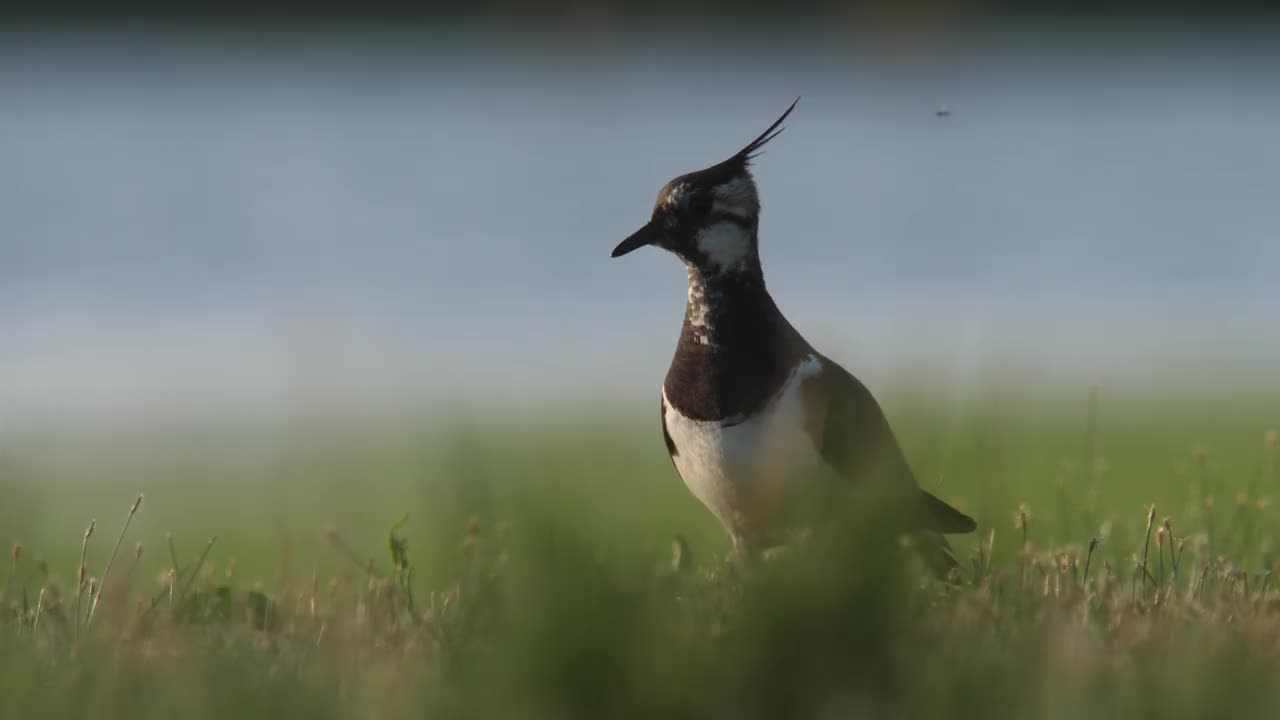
(93,606)
(84,552)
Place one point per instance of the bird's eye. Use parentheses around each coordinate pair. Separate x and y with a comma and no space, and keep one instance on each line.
(700,205)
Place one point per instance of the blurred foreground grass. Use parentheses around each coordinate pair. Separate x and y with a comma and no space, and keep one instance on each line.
(535,576)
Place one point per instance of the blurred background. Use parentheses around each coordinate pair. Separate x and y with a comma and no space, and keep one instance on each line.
(297,271)
(230,210)
(393,224)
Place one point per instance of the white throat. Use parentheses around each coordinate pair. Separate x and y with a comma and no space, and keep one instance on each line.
(725,246)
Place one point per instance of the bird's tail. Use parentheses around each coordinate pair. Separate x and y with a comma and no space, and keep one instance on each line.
(935,552)
(942,517)
(937,517)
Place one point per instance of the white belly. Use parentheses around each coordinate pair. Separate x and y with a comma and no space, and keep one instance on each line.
(748,471)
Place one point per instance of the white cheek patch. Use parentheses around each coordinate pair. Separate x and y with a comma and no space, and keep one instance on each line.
(739,188)
(740,211)
(725,245)
(738,196)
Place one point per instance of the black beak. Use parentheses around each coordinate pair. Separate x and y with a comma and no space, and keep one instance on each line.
(647,235)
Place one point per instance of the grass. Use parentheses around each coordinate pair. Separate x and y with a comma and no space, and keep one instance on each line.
(1123,567)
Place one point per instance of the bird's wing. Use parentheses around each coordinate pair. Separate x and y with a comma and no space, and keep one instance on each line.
(852,434)
(672,452)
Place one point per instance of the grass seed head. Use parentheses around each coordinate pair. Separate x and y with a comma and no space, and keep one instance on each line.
(1022,518)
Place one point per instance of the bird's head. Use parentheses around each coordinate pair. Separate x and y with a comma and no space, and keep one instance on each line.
(709,218)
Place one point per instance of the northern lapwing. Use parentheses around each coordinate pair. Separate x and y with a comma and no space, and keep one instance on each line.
(757,422)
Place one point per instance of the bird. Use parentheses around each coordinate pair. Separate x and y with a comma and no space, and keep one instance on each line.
(761,426)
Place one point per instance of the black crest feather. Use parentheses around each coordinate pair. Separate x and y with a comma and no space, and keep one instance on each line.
(751,151)
(734,167)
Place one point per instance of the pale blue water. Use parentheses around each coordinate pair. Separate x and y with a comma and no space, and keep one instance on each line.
(235,220)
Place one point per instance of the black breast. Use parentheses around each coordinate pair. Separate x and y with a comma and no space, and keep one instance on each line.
(735,350)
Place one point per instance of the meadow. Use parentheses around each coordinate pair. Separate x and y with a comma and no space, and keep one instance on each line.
(558,568)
